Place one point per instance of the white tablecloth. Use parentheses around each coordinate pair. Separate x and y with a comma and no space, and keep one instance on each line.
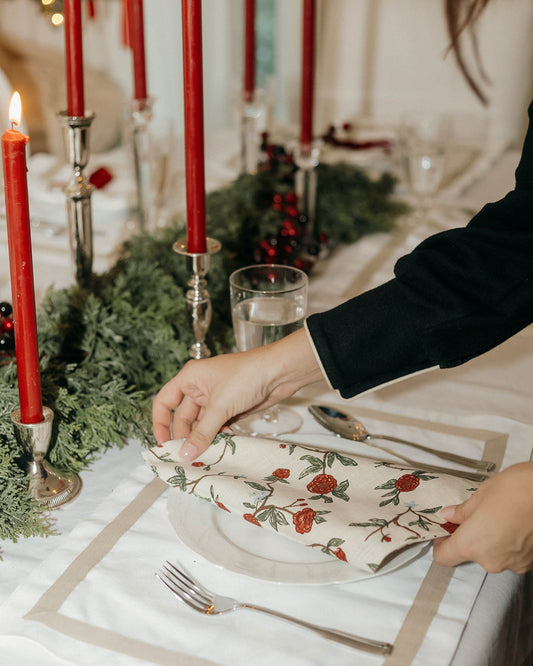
(96,598)
(92,595)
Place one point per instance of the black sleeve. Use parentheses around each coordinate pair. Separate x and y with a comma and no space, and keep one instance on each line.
(457,295)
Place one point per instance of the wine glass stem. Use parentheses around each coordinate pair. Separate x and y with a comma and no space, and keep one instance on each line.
(422,208)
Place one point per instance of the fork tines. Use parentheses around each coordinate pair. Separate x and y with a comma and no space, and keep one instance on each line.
(180,583)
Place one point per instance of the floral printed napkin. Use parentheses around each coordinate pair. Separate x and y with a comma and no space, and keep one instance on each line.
(354,508)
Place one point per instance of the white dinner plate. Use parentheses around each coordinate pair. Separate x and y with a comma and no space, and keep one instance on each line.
(230,542)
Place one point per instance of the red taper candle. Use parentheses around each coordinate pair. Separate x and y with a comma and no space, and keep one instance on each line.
(74,58)
(308,67)
(125,24)
(191,11)
(21,268)
(136,38)
(249,49)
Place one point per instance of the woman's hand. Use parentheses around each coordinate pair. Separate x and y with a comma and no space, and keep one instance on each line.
(211,393)
(495,524)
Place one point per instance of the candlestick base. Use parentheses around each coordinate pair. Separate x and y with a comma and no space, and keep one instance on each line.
(78,192)
(48,485)
(197,297)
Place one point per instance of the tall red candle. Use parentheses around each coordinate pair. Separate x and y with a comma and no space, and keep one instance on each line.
(308,67)
(74,58)
(136,38)
(21,268)
(125,24)
(191,11)
(249,49)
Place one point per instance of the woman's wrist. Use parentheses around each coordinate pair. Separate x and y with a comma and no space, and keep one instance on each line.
(295,363)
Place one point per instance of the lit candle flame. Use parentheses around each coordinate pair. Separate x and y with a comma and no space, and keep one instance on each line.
(15,109)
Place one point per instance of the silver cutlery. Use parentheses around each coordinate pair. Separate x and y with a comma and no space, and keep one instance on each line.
(190,591)
(348,427)
(416,464)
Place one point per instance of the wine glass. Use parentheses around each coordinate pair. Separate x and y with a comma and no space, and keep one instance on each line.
(268,301)
(423,142)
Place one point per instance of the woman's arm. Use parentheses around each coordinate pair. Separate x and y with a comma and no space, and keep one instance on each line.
(457,295)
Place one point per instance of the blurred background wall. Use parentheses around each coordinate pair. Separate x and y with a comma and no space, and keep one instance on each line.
(375,58)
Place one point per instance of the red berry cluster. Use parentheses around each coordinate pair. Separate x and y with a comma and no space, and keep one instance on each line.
(303,520)
(273,153)
(289,244)
(284,246)
(7,336)
(407,483)
(340,554)
(322,484)
(251,519)
(281,473)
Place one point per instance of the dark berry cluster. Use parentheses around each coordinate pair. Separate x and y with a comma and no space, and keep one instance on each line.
(290,244)
(7,337)
(273,154)
(284,246)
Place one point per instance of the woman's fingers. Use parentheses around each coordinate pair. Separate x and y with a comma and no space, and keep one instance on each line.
(162,408)
(184,417)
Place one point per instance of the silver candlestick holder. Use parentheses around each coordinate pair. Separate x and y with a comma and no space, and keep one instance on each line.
(197,297)
(254,120)
(78,192)
(307,161)
(48,485)
(140,115)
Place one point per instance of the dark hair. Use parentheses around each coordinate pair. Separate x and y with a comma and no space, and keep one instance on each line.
(462,15)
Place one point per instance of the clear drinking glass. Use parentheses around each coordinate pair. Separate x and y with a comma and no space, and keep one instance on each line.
(268,301)
(423,142)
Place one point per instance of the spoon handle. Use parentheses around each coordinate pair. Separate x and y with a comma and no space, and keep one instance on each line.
(415,464)
(472,476)
(486,465)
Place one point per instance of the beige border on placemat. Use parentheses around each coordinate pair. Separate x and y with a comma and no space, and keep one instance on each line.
(433,588)
(406,645)
(46,610)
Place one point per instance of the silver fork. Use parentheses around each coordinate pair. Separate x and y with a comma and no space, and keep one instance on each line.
(195,595)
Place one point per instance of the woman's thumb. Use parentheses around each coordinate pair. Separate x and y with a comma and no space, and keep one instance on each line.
(453,514)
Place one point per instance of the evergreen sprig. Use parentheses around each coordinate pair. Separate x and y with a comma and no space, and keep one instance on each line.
(107,349)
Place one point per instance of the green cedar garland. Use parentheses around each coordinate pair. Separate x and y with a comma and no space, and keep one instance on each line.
(105,351)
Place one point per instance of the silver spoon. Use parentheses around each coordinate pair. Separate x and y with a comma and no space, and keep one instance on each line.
(349,427)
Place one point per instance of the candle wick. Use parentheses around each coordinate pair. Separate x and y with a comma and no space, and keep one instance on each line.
(13,123)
